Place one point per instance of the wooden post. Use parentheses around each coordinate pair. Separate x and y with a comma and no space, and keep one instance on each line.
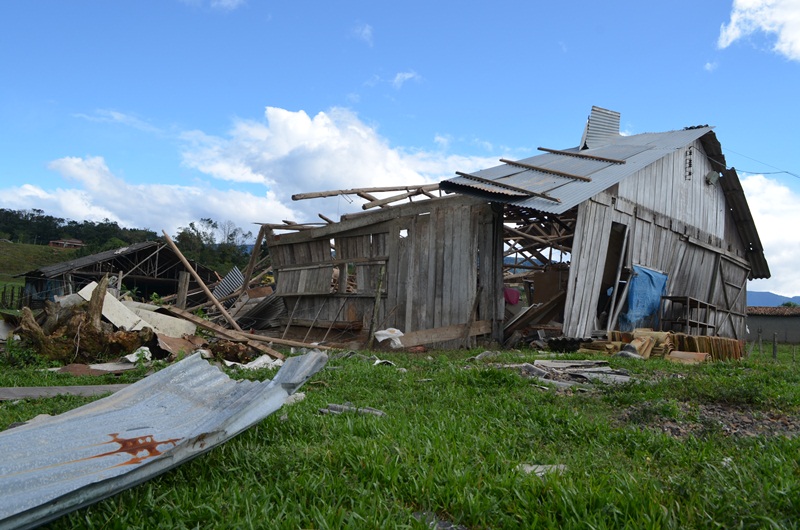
(251,264)
(775,345)
(376,308)
(291,316)
(760,351)
(471,318)
(183,289)
(200,282)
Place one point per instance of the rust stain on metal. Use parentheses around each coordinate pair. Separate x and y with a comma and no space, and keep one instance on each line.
(134,447)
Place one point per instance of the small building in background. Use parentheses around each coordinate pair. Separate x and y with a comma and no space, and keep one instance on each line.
(769,321)
(143,269)
(66,243)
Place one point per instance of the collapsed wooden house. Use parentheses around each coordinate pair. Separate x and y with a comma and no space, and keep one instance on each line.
(621,231)
(145,268)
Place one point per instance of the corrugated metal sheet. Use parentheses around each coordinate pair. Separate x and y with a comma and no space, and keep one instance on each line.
(232,281)
(638,151)
(604,141)
(58,269)
(52,467)
(601,125)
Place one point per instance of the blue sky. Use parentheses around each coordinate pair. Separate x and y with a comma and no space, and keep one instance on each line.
(156,113)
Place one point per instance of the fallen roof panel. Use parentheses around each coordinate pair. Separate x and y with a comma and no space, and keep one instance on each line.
(60,464)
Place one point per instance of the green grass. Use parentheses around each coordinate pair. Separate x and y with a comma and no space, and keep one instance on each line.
(17,258)
(454,437)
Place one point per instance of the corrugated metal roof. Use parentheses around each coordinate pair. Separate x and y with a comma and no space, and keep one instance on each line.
(232,281)
(637,151)
(534,188)
(601,125)
(52,467)
(58,269)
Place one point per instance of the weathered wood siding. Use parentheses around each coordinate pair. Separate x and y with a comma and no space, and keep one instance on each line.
(677,224)
(433,251)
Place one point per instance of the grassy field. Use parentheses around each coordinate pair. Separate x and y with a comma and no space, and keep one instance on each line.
(711,446)
(16,258)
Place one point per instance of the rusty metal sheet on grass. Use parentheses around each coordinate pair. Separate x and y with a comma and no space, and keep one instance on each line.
(57,465)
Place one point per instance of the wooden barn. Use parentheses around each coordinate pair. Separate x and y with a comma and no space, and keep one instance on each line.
(619,232)
(145,268)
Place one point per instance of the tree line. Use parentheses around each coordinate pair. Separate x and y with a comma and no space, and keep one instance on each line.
(218,245)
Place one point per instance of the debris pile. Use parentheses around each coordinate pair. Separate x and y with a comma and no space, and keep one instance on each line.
(566,374)
(646,343)
(101,323)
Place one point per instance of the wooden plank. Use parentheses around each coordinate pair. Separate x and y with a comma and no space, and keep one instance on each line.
(447,265)
(412,266)
(444,333)
(222,332)
(437,251)
(358,220)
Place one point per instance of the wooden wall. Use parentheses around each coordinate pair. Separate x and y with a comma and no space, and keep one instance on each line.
(677,224)
(434,254)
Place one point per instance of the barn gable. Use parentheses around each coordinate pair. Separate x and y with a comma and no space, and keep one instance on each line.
(664,201)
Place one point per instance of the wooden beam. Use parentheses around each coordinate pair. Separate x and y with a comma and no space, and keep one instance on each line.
(366,196)
(537,239)
(393,198)
(445,333)
(546,170)
(229,334)
(200,282)
(344,325)
(357,220)
(355,191)
(508,187)
(581,155)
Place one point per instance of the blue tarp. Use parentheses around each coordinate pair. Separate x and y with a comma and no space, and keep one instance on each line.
(644,299)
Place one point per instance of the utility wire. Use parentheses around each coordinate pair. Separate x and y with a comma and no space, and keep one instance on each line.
(795,175)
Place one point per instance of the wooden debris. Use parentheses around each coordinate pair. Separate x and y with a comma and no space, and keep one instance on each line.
(333,408)
(79,335)
(688,357)
(225,333)
(199,280)
(444,333)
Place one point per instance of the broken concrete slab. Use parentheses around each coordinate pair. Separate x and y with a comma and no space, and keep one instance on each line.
(161,323)
(115,312)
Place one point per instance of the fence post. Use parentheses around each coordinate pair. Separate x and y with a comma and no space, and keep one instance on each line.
(775,345)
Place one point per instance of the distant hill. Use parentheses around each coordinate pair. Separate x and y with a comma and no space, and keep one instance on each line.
(16,258)
(767,299)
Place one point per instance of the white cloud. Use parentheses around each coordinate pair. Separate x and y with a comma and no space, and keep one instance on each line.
(255,170)
(774,208)
(779,17)
(401,77)
(98,194)
(225,5)
(292,152)
(710,67)
(113,116)
(363,32)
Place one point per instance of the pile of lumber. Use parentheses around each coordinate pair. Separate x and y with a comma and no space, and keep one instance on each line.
(678,347)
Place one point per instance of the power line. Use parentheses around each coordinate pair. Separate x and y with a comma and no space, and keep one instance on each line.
(795,175)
